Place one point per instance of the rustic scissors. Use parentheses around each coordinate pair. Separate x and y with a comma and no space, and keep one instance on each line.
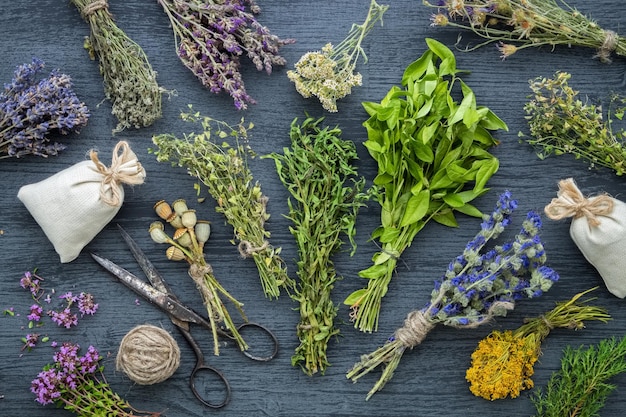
(161,295)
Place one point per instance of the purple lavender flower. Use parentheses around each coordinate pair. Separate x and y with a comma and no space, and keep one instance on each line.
(211,36)
(30,109)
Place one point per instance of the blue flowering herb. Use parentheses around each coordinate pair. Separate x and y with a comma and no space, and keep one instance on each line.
(32,107)
(480,284)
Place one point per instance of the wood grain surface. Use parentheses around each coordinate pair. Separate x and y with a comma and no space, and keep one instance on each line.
(431,378)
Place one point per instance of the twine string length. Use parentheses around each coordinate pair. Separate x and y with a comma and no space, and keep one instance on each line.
(571,202)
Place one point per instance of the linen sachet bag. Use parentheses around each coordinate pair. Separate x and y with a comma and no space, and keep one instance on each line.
(75,204)
(599,230)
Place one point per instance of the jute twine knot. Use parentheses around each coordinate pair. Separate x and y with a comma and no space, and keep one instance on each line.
(93,7)
(148,355)
(247,249)
(125,169)
(608,45)
(570,202)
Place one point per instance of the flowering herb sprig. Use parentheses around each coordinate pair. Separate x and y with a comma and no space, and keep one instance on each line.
(560,122)
(580,388)
(503,362)
(212,35)
(433,160)
(224,171)
(187,243)
(76,383)
(519,24)
(129,80)
(329,74)
(479,284)
(32,107)
(327,193)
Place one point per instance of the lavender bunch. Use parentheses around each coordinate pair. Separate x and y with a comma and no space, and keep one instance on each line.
(212,35)
(73,383)
(477,286)
(32,108)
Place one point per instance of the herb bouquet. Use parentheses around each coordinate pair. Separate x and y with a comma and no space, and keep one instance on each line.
(527,23)
(327,194)
(225,173)
(129,80)
(433,160)
(503,362)
(478,285)
(212,35)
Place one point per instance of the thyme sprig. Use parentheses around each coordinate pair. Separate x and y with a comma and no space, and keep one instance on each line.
(519,24)
(327,193)
(580,388)
(560,122)
(433,160)
(223,169)
(129,80)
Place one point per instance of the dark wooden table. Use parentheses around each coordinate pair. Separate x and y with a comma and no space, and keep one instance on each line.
(430,380)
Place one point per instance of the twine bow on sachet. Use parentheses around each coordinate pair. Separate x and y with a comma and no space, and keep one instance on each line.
(570,202)
(125,169)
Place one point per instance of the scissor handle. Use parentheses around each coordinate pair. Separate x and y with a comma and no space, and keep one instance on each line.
(203,368)
(272,338)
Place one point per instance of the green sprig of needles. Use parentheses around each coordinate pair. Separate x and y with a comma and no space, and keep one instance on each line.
(429,149)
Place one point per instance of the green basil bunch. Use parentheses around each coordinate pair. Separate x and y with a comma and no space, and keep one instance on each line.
(433,160)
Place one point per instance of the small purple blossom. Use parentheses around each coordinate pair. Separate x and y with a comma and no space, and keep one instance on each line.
(35,312)
(32,283)
(86,304)
(30,341)
(64,317)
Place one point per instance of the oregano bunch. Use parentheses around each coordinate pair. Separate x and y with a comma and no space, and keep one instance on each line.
(433,160)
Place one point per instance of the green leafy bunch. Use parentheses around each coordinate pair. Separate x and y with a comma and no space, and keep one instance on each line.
(326,195)
(560,122)
(433,160)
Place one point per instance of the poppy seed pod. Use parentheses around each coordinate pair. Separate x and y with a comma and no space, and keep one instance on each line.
(157,234)
(180,206)
(163,209)
(175,221)
(189,218)
(183,237)
(203,231)
(174,254)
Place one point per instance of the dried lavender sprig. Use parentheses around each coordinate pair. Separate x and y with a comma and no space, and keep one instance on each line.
(31,108)
(129,80)
(210,37)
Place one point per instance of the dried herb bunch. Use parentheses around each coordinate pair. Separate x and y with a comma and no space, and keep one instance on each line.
(580,388)
(560,122)
(212,35)
(187,243)
(433,160)
(224,171)
(527,23)
(329,74)
(503,362)
(327,193)
(480,284)
(31,108)
(76,383)
(129,80)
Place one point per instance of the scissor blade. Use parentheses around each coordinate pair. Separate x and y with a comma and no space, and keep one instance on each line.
(148,268)
(165,302)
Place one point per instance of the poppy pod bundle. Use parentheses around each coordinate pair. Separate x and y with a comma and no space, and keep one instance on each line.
(598,228)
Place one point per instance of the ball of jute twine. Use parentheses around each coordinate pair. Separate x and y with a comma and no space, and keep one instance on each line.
(148,355)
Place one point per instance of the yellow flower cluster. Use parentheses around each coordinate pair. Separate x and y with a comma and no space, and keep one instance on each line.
(502,365)
(317,73)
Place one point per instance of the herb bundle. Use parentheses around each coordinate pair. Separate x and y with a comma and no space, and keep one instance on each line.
(429,149)
(502,364)
(327,194)
(187,243)
(480,284)
(32,108)
(224,171)
(560,122)
(73,382)
(329,74)
(211,36)
(129,80)
(527,23)
(580,388)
